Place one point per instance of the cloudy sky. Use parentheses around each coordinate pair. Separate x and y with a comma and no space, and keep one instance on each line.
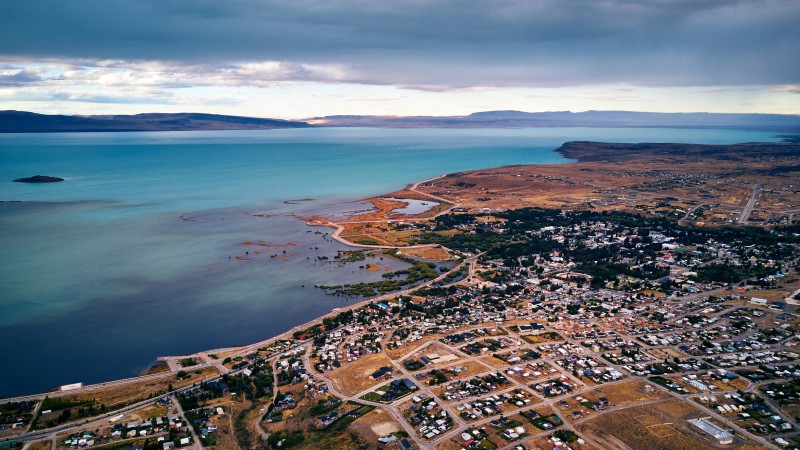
(302,58)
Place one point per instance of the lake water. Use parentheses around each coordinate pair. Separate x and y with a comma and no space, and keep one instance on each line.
(412,206)
(139,253)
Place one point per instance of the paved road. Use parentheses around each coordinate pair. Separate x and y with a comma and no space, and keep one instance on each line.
(750,204)
(195,440)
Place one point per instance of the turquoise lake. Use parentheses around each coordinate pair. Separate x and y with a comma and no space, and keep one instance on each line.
(134,256)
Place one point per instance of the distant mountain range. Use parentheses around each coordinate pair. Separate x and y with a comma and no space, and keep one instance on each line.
(622,119)
(27,122)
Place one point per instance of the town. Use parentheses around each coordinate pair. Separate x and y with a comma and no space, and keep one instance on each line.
(512,328)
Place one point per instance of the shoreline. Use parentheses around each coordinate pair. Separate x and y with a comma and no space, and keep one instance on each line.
(203,355)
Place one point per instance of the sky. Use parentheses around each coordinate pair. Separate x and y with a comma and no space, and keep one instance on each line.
(302,58)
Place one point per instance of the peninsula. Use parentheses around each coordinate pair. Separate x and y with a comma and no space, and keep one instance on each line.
(643,297)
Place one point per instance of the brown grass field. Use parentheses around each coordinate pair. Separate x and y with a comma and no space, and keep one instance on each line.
(626,393)
(40,445)
(635,177)
(737,384)
(437,253)
(354,377)
(659,426)
(470,368)
(549,336)
(149,411)
(130,392)
(494,362)
(409,347)
(375,424)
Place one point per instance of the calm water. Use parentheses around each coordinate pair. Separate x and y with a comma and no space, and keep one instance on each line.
(135,255)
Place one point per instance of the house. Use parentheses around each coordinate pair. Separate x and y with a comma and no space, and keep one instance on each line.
(381,372)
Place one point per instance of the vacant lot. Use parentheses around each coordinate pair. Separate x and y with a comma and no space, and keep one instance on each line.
(354,377)
(437,253)
(549,336)
(41,445)
(660,426)
(626,393)
(409,347)
(375,424)
(132,392)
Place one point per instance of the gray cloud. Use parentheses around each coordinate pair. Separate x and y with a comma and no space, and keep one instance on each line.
(427,44)
(13,76)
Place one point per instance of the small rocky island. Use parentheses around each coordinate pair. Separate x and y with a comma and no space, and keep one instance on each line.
(39,179)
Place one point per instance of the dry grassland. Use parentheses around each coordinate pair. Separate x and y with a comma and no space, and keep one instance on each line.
(410,347)
(634,177)
(375,424)
(542,337)
(659,426)
(354,377)
(626,393)
(134,391)
(40,445)
(437,253)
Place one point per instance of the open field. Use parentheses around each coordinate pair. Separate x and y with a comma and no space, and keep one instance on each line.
(737,384)
(40,445)
(148,411)
(494,362)
(549,336)
(409,347)
(640,178)
(437,253)
(437,349)
(626,393)
(376,424)
(354,377)
(468,368)
(130,392)
(659,426)
(665,353)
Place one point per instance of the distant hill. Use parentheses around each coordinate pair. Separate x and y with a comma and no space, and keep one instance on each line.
(27,122)
(623,119)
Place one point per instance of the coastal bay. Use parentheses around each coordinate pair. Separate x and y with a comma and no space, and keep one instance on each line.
(131,261)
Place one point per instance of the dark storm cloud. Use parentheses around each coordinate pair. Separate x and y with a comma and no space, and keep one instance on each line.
(431,44)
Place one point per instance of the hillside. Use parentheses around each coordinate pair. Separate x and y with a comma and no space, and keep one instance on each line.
(27,122)
(623,119)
